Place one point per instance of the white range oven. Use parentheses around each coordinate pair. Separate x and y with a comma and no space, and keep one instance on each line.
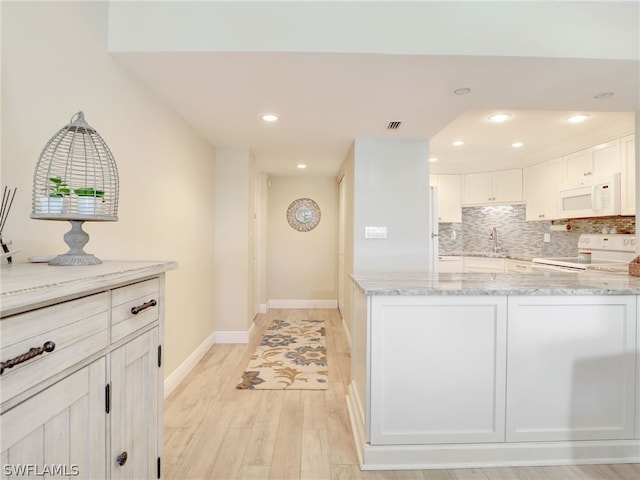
(594,250)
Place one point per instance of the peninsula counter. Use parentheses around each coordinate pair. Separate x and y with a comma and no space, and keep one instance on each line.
(505,369)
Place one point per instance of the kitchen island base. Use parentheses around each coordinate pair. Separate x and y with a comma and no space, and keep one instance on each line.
(494,380)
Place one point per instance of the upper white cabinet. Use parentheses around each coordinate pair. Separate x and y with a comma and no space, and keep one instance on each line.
(449,188)
(493,187)
(628,163)
(596,161)
(541,184)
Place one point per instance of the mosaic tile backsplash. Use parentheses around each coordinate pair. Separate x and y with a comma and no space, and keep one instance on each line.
(519,237)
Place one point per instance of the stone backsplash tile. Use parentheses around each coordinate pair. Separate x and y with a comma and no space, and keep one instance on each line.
(519,237)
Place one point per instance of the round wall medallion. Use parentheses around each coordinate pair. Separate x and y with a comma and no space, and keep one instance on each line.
(303,214)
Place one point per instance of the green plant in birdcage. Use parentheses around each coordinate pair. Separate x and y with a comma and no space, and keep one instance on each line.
(89,192)
(57,188)
(52,202)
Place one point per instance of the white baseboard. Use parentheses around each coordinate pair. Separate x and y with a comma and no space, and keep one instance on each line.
(180,373)
(262,308)
(283,303)
(238,336)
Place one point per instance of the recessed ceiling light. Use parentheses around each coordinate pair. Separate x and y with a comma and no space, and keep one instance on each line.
(301,166)
(500,117)
(269,117)
(603,95)
(458,143)
(581,117)
(462,91)
(433,159)
(517,144)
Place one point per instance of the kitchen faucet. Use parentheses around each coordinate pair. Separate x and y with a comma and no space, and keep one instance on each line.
(494,236)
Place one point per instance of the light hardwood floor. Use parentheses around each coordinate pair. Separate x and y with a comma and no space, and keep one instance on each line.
(213,431)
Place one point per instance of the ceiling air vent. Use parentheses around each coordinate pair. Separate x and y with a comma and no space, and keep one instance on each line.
(394,125)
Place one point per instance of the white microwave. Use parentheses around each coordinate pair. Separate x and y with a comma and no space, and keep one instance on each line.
(591,197)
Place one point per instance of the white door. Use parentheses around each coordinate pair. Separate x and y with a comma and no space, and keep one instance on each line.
(134,408)
(61,429)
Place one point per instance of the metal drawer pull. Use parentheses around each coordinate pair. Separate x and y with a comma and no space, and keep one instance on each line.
(122,458)
(144,306)
(33,352)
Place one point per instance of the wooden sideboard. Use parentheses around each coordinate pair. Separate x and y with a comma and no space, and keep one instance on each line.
(81,387)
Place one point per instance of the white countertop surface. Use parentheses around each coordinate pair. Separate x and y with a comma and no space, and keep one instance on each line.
(532,283)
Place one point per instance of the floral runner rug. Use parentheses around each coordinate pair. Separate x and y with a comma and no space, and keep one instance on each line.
(292,355)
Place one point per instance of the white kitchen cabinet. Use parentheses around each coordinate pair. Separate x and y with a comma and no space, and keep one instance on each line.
(503,186)
(62,428)
(449,264)
(483,264)
(449,188)
(596,161)
(572,364)
(96,390)
(437,371)
(517,266)
(134,408)
(541,185)
(628,183)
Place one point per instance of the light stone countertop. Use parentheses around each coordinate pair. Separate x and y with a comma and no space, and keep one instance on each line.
(501,254)
(532,283)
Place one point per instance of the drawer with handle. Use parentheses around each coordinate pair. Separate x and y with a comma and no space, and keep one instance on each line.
(133,307)
(39,344)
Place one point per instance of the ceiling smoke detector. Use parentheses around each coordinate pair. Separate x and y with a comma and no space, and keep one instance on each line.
(394,125)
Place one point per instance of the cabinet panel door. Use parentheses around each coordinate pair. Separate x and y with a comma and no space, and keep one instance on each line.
(450,198)
(541,185)
(606,158)
(507,186)
(134,407)
(477,188)
(578,165)
(437,369)
(628,184)
(61,430)
(571,372)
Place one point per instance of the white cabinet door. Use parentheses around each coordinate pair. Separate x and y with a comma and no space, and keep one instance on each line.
(437,369)
(507,186)
(477,188)
(603,159)
(483,264)
(134,408)
(450,198)
(61,430)
(571,369)
(449,264)
(493,187)
(517,266)
(628,187)
(541,184)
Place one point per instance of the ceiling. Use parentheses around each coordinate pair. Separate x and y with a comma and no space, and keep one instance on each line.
(325,101)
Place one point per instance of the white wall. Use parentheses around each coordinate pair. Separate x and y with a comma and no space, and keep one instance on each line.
(54,63)
(233,241)
(391,189)
(302,266)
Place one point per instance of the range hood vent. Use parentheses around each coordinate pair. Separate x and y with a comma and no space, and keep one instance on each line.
(394,125)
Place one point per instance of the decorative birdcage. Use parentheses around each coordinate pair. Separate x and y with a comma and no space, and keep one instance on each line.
(76,179)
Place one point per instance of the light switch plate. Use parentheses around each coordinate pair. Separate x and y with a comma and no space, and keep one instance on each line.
(375,232)
(547,238)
